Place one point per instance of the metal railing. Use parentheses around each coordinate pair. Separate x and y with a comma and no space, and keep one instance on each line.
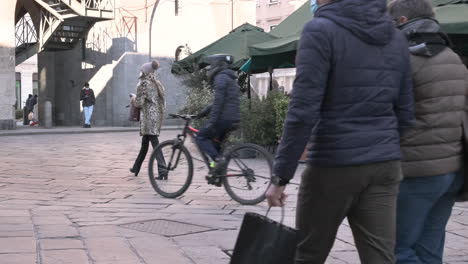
(98,4)
(123,26)
(25,32)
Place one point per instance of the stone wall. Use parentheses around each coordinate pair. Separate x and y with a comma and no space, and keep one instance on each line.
(111,102)
(7,65)
(62,76)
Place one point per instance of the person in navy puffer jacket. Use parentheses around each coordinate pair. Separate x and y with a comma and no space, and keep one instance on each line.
(224,112)
(351,99)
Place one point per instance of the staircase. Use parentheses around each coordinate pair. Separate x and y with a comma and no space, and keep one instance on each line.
(62,24)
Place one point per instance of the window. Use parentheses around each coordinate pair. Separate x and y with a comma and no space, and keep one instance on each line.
(18,91)
(273,2)
(35,83)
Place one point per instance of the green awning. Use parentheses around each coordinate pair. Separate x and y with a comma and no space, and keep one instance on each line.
(235,43)
(278,54)
(282,45)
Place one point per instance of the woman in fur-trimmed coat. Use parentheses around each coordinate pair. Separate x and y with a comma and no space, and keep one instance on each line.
(150,99)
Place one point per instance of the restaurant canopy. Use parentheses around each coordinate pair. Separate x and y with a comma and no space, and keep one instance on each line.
(235,43)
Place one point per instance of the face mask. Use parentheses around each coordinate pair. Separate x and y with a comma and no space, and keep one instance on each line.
(314,6)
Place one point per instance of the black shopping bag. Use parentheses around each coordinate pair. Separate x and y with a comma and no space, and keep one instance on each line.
(264,241)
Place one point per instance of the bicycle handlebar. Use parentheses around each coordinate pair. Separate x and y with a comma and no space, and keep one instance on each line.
(185,117)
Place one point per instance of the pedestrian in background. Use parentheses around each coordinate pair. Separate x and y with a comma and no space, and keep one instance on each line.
(28,103)
(150,98)
(353,84)
(433,149)
(88,101)
(33,105)
(27,110)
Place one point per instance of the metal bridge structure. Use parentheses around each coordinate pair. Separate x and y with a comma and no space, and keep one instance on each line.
(56,25)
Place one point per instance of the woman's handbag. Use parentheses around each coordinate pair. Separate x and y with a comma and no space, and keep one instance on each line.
(264,241)
(134,114)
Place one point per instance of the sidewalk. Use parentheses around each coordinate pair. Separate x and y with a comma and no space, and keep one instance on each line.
(71,199)
(27,130)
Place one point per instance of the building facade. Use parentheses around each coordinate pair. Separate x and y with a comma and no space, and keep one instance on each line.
(272,12)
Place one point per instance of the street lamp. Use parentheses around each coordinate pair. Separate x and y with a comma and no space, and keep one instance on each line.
(151,26)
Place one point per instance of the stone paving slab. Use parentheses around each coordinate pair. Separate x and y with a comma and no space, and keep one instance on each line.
(66,198)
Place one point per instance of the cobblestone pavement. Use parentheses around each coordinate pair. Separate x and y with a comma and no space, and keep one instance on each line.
(70,199)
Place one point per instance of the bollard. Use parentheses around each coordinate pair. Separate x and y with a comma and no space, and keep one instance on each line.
(48,114)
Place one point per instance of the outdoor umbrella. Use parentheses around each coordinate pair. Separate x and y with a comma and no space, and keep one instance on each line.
(235,43)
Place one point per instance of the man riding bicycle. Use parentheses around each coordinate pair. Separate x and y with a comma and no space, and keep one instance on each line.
(224,111)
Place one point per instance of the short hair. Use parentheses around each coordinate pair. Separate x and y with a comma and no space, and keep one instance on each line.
(411,9)
(86,84)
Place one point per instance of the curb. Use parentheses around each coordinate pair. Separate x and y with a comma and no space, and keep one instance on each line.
(61,131)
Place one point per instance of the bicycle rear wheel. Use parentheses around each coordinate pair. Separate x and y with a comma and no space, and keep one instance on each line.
(248,174)
(170,169)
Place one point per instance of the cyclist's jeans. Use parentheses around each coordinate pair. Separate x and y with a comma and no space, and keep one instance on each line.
(209,132)
(424,208)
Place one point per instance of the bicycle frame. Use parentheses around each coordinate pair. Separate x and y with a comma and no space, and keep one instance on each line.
(190,131)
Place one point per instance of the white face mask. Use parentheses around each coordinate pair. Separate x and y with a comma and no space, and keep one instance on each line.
(314,6)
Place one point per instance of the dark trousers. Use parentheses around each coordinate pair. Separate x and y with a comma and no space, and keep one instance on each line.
(206,136)
(146,139)
(424,208)
(365,194)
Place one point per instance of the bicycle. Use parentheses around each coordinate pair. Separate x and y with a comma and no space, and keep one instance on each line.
(247,172)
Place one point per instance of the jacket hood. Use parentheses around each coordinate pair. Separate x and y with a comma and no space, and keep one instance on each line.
(424,37)
(366,19)
(220,70)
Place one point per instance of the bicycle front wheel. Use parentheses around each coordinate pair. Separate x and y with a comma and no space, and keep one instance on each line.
(170,169)
(248,174)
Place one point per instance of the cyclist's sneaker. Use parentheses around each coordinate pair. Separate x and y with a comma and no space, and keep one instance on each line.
(214,180)
(212,164)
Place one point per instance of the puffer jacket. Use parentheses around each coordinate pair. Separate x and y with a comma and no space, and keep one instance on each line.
(353,82)
(226,104)
(434,145)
